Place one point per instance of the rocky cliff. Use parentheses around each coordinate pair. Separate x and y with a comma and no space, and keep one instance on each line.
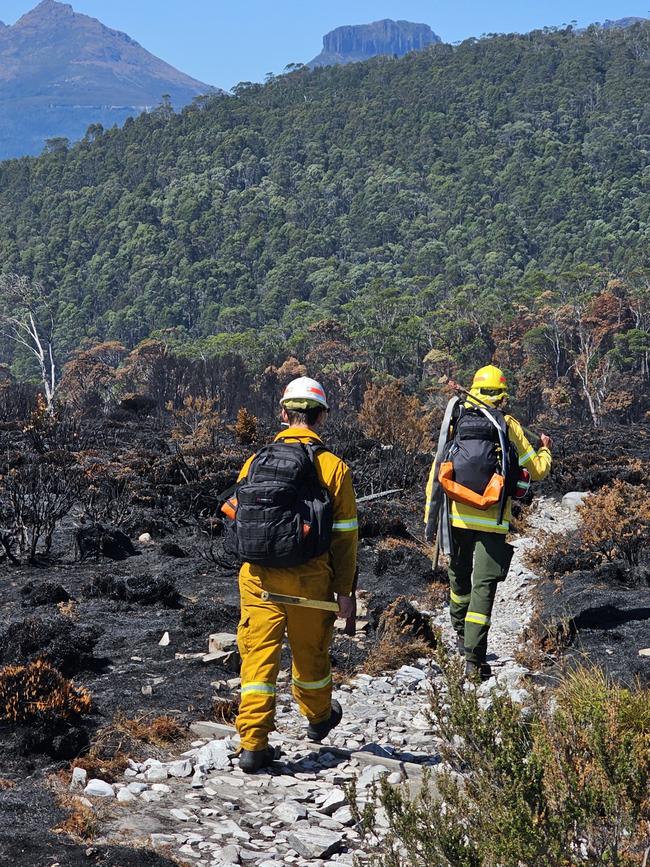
(61,71)
(362,41)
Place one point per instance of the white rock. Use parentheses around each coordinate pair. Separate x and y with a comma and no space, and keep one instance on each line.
(156,774)
(229,854)
(394,779)
(214,756)
(181,815)
(99,789)
(124,796)
(145,539)
(164,641)
(333,802)
(372,774)
(344,816)
(79,778)
(151,797)
(137,788)
(409,672)
(181,768)
(161,787)
(228,828)
(289,812)
(573,499)
(315,842)
(198,779)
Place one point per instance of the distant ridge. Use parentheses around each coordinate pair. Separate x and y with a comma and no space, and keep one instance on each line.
(362,41)
(621,23)
(61,71)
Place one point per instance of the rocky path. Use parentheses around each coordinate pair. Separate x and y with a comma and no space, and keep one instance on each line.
(200,808)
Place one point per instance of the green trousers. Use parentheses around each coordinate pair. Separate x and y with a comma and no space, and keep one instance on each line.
(479,562)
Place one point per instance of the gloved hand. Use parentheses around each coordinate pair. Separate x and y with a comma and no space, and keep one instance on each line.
(348,612)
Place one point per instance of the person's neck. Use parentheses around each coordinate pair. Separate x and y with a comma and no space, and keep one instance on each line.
(303,426)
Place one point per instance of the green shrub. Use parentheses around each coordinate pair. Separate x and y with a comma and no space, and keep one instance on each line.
(563,781)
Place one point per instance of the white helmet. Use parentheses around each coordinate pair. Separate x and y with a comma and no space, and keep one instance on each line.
(304,393)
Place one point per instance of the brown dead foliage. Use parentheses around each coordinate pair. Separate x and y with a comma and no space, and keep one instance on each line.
(404,635)
(111,769)
(616,522)
(246,426)
(38,691)
(395,418)
(5,785)
(82,822)
(225,710)
(160,731)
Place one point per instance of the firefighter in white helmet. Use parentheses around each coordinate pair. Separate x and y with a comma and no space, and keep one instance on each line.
(327,576)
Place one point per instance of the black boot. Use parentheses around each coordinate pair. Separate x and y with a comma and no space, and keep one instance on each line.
(318,731)
(251,761)
(460,644)
(477,670)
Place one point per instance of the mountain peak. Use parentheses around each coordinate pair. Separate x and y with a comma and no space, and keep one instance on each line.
(61,71)
(355,42)
(46,10)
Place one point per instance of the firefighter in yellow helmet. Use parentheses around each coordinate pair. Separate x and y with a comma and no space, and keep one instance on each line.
(473,436)
(263,625)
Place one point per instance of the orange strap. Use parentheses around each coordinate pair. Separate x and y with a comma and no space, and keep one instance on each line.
(229,508)
(460,494)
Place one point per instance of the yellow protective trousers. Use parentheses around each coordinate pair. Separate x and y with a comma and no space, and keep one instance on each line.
(260,635)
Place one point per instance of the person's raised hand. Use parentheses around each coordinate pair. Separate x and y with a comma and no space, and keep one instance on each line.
(547,442)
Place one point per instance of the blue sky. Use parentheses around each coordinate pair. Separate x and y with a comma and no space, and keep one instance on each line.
(222,43)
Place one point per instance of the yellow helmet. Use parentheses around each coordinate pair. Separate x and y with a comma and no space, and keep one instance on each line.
(489,385)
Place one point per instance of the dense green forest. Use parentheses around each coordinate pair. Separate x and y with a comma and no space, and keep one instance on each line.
(488,199)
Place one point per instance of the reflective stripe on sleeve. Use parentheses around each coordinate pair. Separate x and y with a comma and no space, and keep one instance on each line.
(475,617)
(263,688)
(346,526)
(459,600)
(525,458)
(313,684)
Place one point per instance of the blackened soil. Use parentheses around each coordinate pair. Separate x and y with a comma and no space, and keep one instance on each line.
(29,810)
(600,618)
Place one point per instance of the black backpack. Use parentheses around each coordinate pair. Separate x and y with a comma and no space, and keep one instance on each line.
(475,450)
(281,515)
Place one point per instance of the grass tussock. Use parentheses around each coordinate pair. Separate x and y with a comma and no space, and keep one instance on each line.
(404,635)
(225,710)
(160,731)
(6,785)
(82,822)
(564,781)
(38,691)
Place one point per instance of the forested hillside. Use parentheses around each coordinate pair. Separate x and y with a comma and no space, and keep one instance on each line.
(488,199)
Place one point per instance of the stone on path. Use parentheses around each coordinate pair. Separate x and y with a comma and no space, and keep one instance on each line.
(99,789)
(315,842)
(290,812)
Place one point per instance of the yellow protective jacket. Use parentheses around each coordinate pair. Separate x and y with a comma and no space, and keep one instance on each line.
(340,562)
(538,464)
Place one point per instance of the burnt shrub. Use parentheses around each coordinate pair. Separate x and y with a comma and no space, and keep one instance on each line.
(99,541)
(139,589)
(36,593)
(38,691)
(56,640)
(201,619)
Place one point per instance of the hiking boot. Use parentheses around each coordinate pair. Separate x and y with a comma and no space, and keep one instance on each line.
(460,645)
(477,670)
(318,731)
(251,761)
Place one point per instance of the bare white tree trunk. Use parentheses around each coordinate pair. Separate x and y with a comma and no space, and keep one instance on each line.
(24,329)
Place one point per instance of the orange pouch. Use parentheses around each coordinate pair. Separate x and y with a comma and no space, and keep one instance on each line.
(460,494)
(229,508)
